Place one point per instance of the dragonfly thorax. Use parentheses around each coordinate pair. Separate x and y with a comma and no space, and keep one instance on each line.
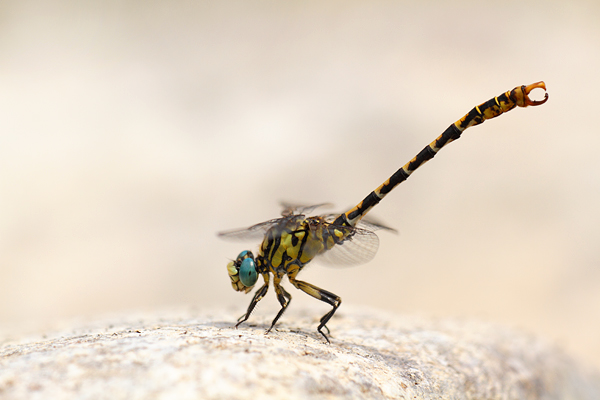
(295,242)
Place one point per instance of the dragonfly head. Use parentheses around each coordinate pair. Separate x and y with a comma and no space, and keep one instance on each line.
(242,272)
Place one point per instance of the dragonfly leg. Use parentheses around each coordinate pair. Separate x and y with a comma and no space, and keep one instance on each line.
(284,299)
(260,293)
(321,294)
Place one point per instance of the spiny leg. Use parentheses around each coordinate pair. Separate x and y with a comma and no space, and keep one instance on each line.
(284,299)
(260,293)
(321,294)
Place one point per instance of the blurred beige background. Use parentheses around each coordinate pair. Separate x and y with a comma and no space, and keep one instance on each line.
(131,132)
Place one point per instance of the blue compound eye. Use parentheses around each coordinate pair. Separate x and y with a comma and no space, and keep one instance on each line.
(248,274)
(243,253)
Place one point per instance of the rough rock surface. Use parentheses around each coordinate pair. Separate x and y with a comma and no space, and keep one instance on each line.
(372,355)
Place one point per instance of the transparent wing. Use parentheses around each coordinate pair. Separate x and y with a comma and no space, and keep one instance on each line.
(372,224)
(360,247)
(254,232)
(300,209)
(368,223)
(257,232)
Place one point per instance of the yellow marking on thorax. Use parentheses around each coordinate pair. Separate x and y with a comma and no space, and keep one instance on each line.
(314,245)
(276,255)
(339,234)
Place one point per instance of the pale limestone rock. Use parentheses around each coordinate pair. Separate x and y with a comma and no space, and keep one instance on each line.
(372,355)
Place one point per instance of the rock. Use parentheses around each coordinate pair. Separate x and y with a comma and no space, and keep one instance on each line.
(372,355)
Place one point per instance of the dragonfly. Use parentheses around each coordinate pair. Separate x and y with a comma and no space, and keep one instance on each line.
(292,241)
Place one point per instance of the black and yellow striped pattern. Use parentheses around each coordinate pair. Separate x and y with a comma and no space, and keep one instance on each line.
(488,110)
(293,241)
(298,240)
